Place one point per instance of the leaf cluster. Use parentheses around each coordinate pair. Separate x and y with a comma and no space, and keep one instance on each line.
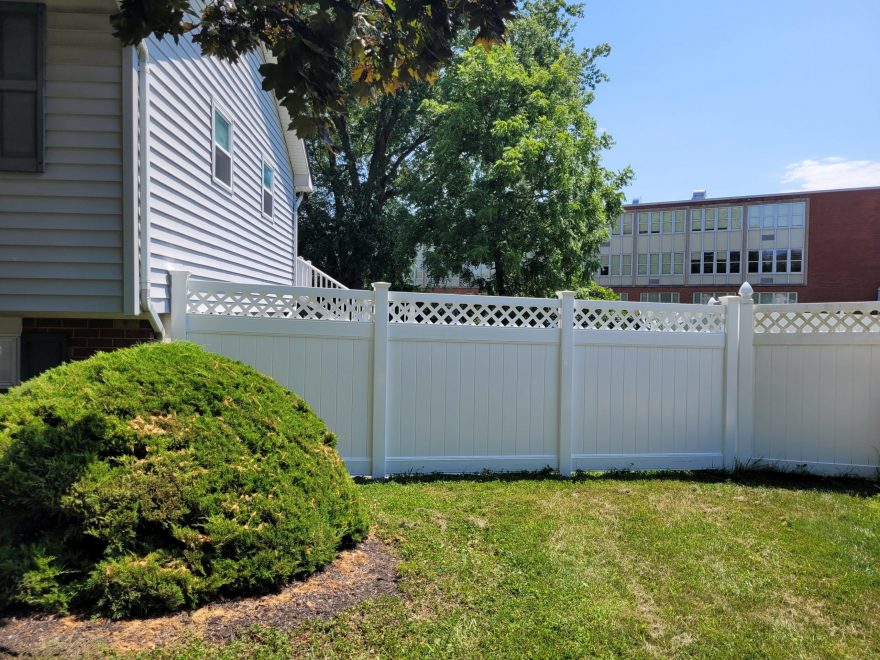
(392,44)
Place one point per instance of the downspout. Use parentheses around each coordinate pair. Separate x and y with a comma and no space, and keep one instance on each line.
(144,201)
(297,200)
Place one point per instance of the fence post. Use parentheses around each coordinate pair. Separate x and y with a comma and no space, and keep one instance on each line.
(746,376)
(379,438)
(731,381)
(179,298)
(566,354)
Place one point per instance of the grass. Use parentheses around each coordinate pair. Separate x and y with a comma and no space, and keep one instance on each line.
(647,566)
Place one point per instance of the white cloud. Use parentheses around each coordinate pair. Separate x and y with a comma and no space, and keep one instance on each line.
(832,173)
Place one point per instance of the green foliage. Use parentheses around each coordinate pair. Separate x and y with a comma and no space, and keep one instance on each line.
(511,175)
(593,291)
(351,225)
(393,44)
(159,477)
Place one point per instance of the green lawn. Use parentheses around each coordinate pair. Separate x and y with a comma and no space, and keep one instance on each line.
(695,565)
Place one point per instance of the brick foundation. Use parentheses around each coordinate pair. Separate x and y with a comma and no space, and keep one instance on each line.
(85,337)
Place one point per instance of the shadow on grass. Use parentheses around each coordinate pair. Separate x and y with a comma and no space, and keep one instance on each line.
(756,478)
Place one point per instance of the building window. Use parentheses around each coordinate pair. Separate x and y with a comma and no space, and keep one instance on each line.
(773,216)
(22,74)
(627,223)
(767,261)
(734,261)
(708,262)
(721,262)
(643,264)
(695,263)
(615,225)
(775,297)
(654,264)
(696,220)
(268,189)
(223,144)
(603,264)
(615,264)
(623,296)
(626,265)
(796,261)
(665,297)
(753,261)
(703,297)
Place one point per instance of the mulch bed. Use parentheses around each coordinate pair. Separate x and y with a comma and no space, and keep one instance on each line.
(369,569)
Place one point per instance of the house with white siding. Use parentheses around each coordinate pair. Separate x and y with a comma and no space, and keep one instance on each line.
(119,164)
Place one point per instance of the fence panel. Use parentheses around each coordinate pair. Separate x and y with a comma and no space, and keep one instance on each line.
(442,383)
(817,387)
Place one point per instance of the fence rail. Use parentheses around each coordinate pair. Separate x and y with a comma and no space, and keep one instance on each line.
(453,383)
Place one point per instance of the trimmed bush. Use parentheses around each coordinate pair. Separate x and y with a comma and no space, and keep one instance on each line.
(159,477)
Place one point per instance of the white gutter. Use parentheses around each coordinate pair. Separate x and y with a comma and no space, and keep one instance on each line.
(144,205)
(298,199)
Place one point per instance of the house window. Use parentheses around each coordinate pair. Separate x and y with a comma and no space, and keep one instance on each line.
(695,263)
(767,261)
(696,220)
(627,268)
(268,189)
(603,264)
(223,141)
(22,66)
(627,223)
(643,222)
(654,264)
(665,297)
(796,261)
(678,263)
(721,262)
(709,219)
(643,264)
(781,261)
(623,296)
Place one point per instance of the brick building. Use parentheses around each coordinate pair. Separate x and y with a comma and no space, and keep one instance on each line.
(791,247)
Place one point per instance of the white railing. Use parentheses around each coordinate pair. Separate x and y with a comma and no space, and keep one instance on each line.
(305,274)
(452,383)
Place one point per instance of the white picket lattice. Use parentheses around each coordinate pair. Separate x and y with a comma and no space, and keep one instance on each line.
(490,311)
(592,315)
(260,301)
(817,318)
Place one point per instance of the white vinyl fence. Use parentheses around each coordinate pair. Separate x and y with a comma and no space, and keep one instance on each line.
(449,383)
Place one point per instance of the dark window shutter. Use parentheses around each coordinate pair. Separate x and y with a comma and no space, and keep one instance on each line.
(22,80)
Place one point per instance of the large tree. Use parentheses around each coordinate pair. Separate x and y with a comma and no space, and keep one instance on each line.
(391,43)
(351,226)
(512,175)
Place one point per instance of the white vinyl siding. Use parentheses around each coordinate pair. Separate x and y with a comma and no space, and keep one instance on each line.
(61,230)
(199,225)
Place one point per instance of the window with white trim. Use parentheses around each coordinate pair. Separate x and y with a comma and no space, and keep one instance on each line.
(664,297)
(717,218)
(268,189)
(622,224)
(721,262)
(661,263)
(223,145)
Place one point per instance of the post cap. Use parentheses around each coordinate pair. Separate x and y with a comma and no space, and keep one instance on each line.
(566,294)
(381,285)
(746,291)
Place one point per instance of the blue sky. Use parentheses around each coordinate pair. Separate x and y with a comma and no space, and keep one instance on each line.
(739,97)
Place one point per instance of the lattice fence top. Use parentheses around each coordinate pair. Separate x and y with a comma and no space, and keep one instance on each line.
(591,315)
(817,318)
(438,309)
(262,302)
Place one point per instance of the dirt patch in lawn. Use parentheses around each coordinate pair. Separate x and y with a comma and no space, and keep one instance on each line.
(368,570)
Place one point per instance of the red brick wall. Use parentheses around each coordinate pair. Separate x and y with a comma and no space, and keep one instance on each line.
(85,337)
(843,248)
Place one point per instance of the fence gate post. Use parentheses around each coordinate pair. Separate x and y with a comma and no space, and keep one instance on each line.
(746,375)
(379,437)
(179,298)
(731,381)
(566,377)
